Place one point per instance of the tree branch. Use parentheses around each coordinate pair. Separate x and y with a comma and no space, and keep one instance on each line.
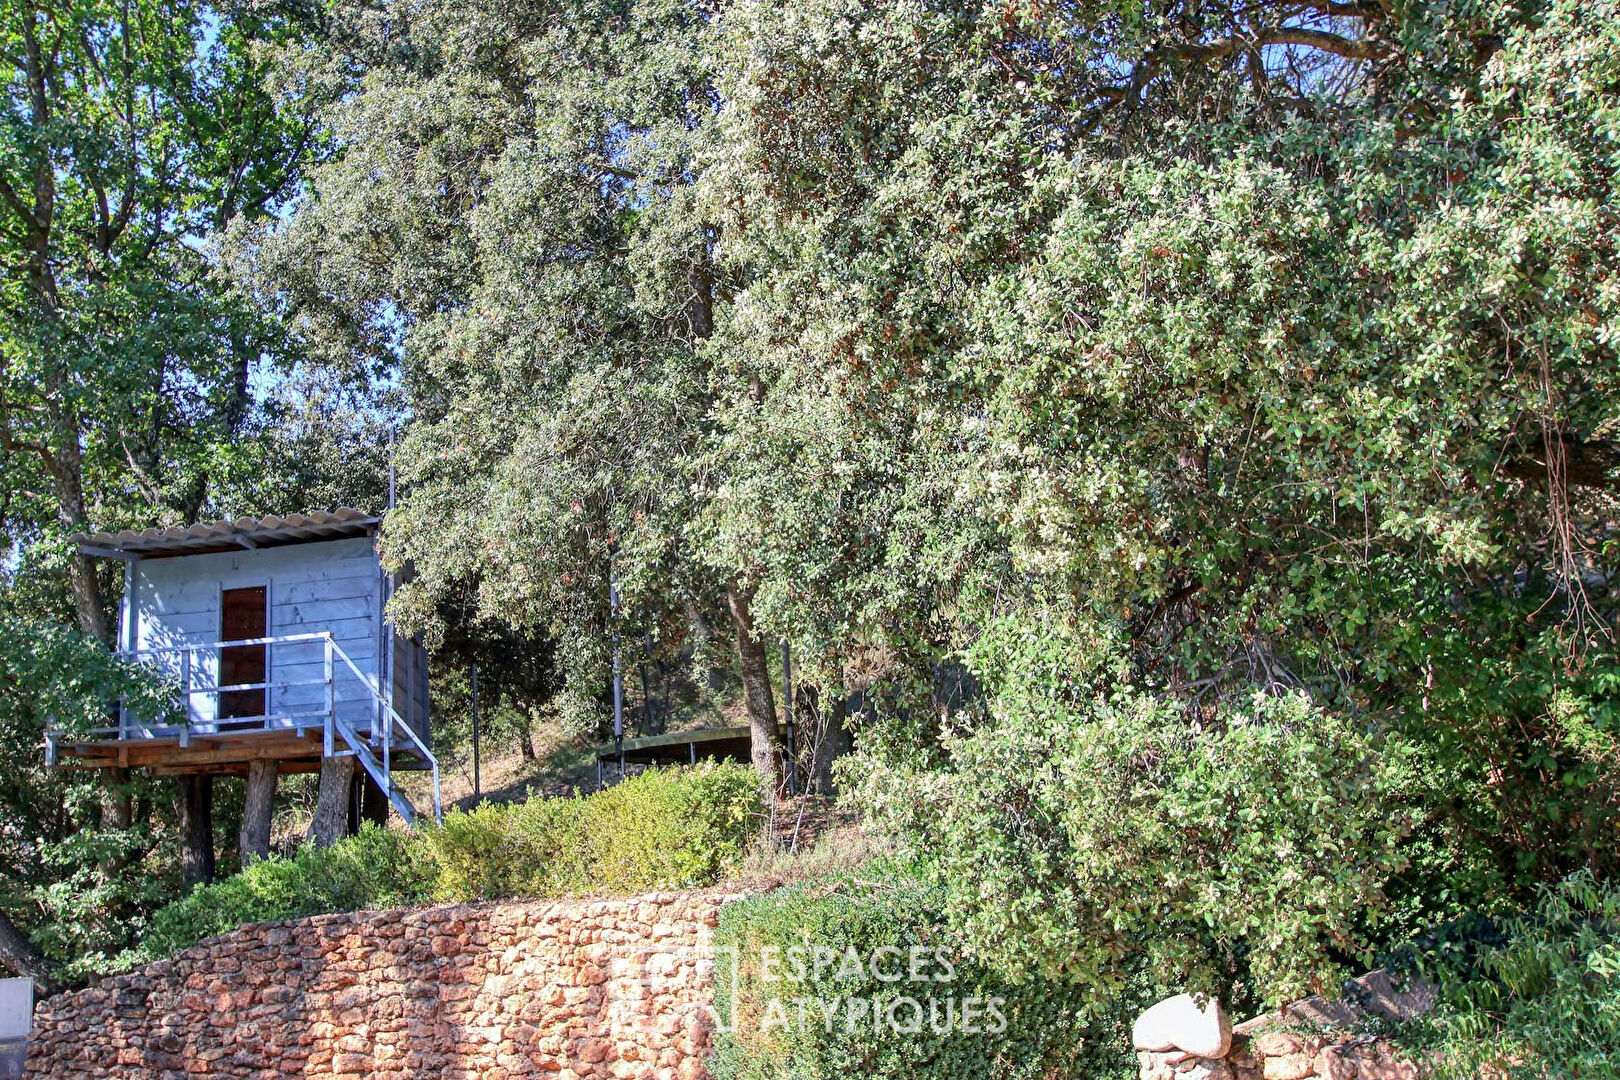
(1349,48)
(20,955)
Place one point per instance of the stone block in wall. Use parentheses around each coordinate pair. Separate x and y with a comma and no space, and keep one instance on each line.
(1294,1066)
(1182,1023)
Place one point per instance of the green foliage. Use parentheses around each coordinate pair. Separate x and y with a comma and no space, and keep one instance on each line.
(52,676)
(673,827)
(1227,395)
(533,848)
(667,828)
(1230,420)
(131,135)
(1248,400)
(659,829)
(1540,1001)
(501,169)
(54,878)
(83,916)
(1081,828)
(1046,1030)
(378,868)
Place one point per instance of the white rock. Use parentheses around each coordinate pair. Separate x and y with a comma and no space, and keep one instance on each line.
(1179,1024)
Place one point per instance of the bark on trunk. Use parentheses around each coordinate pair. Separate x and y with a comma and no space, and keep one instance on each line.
(194,811)
(756,680)
(87,602)
(67,474)
(18,954)
(823,728)
(117,807)
(331,822)
(258,805)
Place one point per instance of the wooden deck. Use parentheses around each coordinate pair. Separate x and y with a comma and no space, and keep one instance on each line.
(298,750)
(679,748)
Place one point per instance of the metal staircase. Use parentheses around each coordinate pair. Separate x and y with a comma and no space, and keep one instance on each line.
(364,750)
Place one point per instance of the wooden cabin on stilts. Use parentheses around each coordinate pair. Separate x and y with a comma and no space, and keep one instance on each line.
(272,632)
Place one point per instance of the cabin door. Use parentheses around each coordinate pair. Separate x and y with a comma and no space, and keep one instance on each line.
(242,617)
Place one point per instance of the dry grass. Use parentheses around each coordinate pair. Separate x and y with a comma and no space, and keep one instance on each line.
(804,839)
(562,765)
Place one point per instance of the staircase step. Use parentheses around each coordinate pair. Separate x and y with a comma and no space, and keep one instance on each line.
(368,761)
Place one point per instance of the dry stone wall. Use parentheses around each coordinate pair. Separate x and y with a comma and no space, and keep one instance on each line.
(1310,1040)
(1284,1055)
(555,990)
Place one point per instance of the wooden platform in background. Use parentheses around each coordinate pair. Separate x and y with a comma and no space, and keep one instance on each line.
(682,747)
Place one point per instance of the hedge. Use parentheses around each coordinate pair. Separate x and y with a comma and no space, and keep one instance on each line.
(972,1024)
(665,828)
(379,868)
(659,829)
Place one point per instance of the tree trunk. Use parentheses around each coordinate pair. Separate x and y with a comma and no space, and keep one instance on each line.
(87,602)
(331,821)
(526,737)
(20,955)
(67,475)
(258,805)
(826,741)
(117,806)
(756,680)
(194,809)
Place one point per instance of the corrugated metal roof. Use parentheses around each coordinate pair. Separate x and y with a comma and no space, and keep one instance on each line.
(248,532)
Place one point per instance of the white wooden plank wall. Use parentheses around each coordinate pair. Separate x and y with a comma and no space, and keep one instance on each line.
(313,588)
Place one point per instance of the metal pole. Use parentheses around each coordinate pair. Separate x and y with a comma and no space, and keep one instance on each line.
(618,675)
(787,715)
(128,630)
(476,785)
(647,726)
(438,809)
(327,746)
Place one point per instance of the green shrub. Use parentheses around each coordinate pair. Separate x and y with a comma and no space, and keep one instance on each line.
(1074,833)
(663,828)
(379,868)
(1034,1029)
(1539,998)
(685,827)
(533,848)
(666,828)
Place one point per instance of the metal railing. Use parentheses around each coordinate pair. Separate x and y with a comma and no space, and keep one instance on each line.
(384,728)
(336,726)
